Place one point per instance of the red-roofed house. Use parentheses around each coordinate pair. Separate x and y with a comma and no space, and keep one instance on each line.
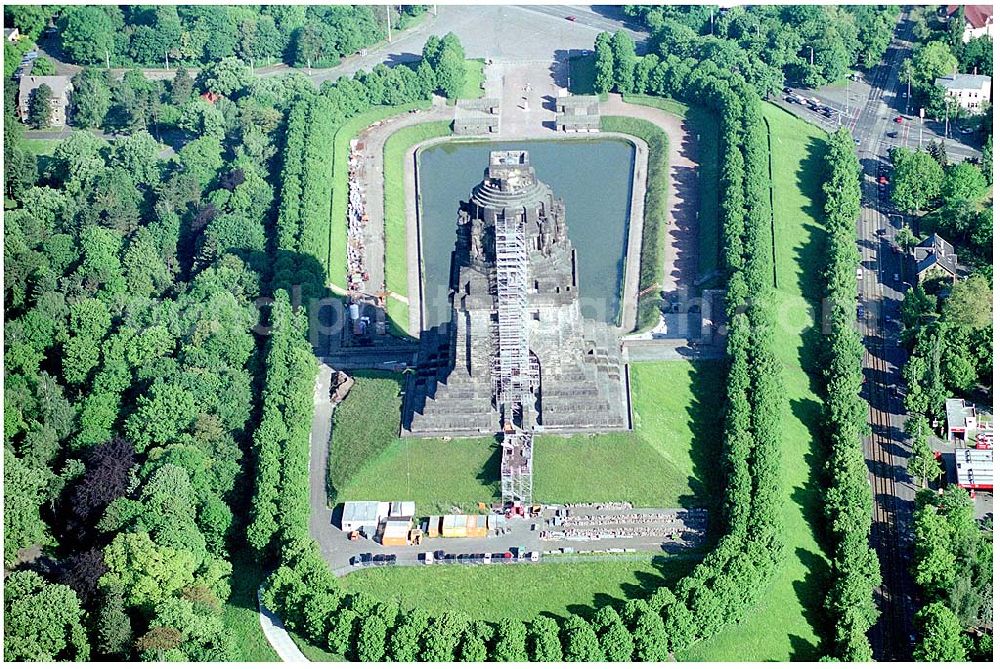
(210,97)
(978,20)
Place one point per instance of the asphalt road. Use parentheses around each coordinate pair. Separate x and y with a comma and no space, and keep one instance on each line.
(850,106)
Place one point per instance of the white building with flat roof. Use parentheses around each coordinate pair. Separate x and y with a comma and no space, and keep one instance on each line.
(363,516)
(970,91)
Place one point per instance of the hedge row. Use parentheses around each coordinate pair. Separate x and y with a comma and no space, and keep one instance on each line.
(848,501)
(655,210)
(280,506)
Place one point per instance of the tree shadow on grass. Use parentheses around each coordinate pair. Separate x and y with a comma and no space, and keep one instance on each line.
(810,257)
(489,473)
(811,598)
(706,415)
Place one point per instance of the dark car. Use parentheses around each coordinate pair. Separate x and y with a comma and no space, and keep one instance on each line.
(892,133)
(439,555)
(789,98)
(861,312)
(364,558)
(571,18)
(464,557)
(827,113)
(786,89)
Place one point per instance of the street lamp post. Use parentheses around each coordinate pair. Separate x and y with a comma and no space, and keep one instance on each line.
(388,21)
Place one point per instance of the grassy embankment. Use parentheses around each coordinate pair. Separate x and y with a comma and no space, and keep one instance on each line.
(654,213)
(787,624)
(394,154)
(669,460)
(336,272)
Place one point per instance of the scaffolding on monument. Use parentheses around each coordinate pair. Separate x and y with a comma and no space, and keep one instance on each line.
(515,467)
(513,375)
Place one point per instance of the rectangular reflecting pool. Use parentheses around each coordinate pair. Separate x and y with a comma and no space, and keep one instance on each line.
(594,179)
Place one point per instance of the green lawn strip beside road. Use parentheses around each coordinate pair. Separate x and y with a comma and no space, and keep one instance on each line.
(240,614)
(555,585)
(705,124)
(655,212)
(314,653)
(670,459)
(787,623)
(358,436)
(394,154)
(341,152)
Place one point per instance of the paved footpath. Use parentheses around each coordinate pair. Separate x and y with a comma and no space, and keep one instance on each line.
(277,635)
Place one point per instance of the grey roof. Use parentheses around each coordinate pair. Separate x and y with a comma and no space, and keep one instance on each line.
(935,250)
(957,412)
(360,511)
(60,85)
(963,81)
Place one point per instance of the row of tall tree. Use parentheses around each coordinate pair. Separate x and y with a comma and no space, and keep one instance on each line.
(130,363)
(855,572)
(812,45)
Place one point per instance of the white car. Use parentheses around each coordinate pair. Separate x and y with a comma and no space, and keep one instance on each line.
(860,274)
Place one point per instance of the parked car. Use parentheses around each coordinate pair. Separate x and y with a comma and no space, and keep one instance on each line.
(860,274)
(534,556)
(827,113)
(786,89)
(427,558)
(487,558)
(571,18)
(792,99)
(898,119)
(892,133)
(861,312)
(439,555)
(883,180)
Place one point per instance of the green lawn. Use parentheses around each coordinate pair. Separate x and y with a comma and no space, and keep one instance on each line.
(787,624)
(341,151)
(556,586)
(240,615)
(314,653)
(435,473)
(668,460)
(356,438)
(394,154)
(705,124)
(41,147)
(474,78)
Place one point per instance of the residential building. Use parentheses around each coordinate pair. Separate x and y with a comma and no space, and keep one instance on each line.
(970,91)
(11,34)
(978,20)
(61,87)
(935,253)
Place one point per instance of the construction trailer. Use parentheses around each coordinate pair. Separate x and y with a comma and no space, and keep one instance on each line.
(974,468)
(396,533)
(363,516)
(402,509)
(453,526)
(434,527)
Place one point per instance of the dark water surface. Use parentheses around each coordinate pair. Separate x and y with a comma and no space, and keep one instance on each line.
(594,179)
